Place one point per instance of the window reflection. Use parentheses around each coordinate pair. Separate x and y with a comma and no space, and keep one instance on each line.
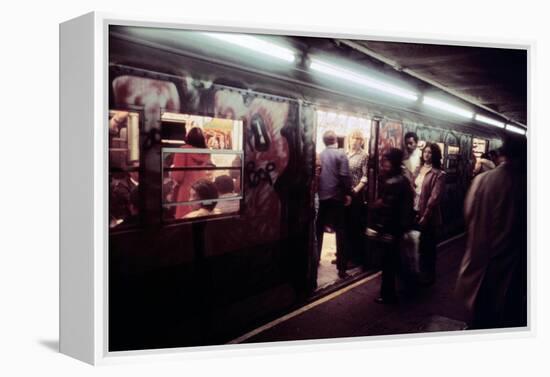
(123,139)
(123,199)
(123,168)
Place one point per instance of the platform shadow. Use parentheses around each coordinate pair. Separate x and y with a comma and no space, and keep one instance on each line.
(52,345)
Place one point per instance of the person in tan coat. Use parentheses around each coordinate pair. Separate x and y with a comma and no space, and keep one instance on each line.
(492,280)
(429,183)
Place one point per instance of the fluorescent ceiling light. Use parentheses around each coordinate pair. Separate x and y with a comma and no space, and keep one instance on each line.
(357,78)
(486,120)
(515,129)
(255,44)
(447,107)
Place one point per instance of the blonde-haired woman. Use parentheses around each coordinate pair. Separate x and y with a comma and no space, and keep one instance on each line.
(356,212)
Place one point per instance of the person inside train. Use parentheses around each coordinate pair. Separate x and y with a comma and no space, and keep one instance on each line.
(185,178)
(497,156)
(213,143)
(492,280)
(203,189)
(123,199)
(429,183)
(356,212)
(493,156)
(483,164)
(334,195)
(393,215)
(226,189)
(235,174)
(413,153)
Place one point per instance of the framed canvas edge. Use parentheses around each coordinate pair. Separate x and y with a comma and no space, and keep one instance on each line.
(102,21)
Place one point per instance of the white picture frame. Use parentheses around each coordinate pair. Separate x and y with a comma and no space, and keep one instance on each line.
(83,179)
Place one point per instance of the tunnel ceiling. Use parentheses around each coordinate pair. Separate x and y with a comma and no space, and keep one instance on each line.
(493,77)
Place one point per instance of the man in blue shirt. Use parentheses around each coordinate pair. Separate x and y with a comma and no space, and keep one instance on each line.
(334,194)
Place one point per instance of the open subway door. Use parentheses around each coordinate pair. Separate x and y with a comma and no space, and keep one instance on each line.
(350,129)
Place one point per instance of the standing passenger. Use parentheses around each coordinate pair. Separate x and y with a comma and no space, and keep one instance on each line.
(483,164)
(429,183)
(497,156)
(393,211)
(493,156)
(493,277)
(355,226)
(413,153)
(334,195)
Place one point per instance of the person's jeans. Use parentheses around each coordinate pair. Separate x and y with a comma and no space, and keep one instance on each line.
(331,212)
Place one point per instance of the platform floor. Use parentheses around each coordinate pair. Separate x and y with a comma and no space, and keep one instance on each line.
(351,311)
(327,273)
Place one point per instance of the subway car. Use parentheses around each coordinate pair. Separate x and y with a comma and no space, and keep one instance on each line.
(182,276)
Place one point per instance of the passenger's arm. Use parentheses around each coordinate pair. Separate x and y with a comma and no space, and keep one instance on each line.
(435,195)
(469,201)
(477,166)
(345,178)
(363,181)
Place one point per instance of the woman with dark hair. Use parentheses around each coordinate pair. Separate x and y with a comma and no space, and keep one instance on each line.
(196,138)
(394,216)
(203,189)
(185,178)
(429,183)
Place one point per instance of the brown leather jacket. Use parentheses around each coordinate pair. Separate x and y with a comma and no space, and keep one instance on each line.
(430,196)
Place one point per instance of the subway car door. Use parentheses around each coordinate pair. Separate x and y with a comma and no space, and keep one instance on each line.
(385,134)
(372,189)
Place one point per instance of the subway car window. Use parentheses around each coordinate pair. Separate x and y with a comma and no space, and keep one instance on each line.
(453,159)
(344,125)
(123,168)
(479,146)
(208,242)
(202,162)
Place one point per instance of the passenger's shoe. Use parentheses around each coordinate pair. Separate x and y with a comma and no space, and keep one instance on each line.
(334,261)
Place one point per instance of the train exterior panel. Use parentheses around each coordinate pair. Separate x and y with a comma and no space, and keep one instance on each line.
(184,283)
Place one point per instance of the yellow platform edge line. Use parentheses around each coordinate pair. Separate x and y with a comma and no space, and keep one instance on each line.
(303,309)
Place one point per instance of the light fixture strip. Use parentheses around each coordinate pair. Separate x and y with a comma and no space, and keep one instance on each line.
(255,44)
(435,103)
(332,70)
(490,121)
(515,129)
